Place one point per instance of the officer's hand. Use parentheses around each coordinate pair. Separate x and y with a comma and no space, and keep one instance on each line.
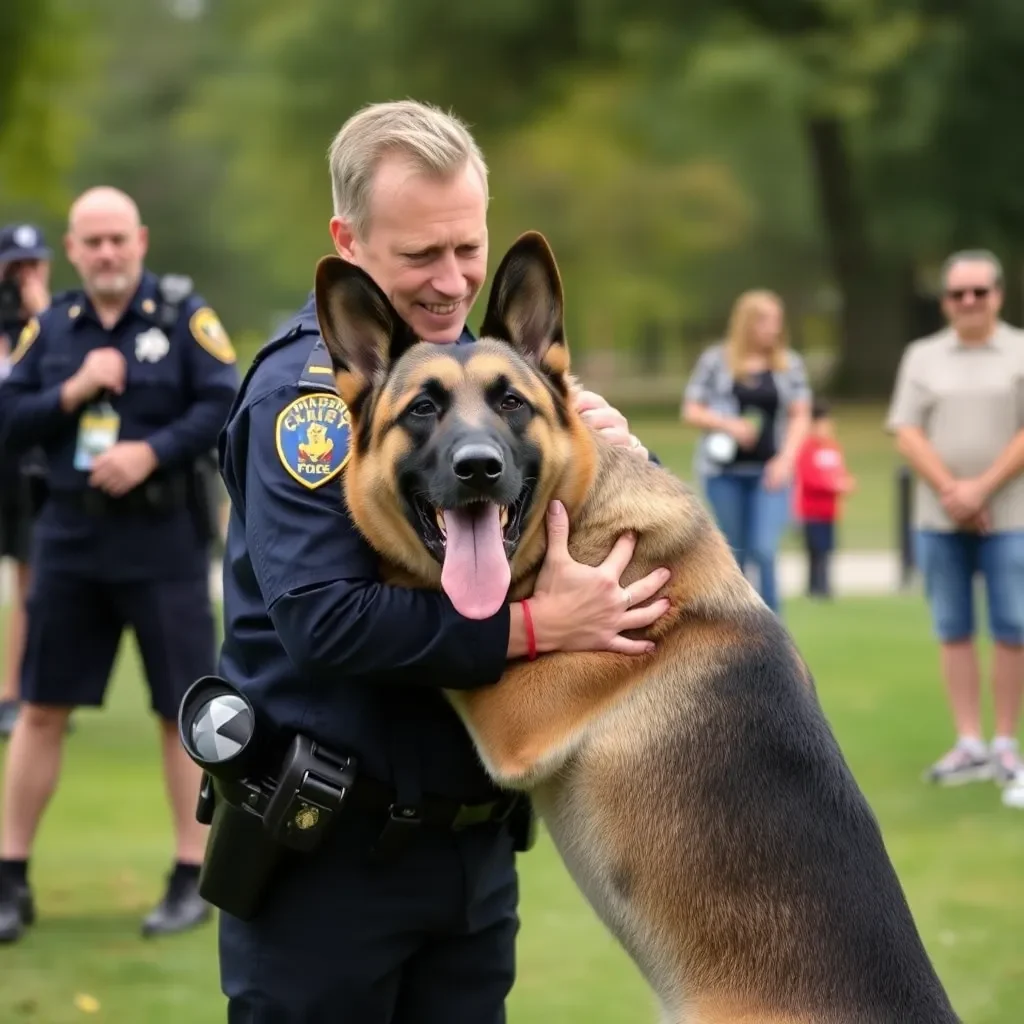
(33,280)
(123,466)
(103,369)
(578,607)
(607,421)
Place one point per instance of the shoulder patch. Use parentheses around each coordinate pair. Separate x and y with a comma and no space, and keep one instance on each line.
(29,333)
(312,436)
(207,329)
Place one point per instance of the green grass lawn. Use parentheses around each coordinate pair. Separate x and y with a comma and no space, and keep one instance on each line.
(104,848)
(869,519)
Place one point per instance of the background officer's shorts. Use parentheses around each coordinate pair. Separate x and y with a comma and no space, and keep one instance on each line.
(15,525)
(75,626)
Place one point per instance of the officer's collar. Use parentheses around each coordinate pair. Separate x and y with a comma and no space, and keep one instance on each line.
(144,302)
(306,322)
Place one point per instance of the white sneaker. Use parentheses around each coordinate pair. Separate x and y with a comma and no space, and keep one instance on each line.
(1013,792)
(964,763)
(1006,765)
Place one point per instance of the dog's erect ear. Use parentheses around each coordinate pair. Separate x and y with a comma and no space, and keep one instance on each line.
(363,333)
(525,304)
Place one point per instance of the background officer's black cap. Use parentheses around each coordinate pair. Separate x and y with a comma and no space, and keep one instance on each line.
(22,242)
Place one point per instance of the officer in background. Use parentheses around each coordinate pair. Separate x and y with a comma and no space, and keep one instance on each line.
(126,384)
(400,915)
(24,293)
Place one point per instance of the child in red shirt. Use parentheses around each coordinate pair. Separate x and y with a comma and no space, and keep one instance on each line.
(821,477)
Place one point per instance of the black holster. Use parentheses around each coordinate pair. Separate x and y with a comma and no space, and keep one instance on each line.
(253,822)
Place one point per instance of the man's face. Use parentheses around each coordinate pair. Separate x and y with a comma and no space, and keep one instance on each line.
(425,245)
(971,300)
(106,245)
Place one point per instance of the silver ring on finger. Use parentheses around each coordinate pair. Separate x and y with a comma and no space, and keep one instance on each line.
(628,596)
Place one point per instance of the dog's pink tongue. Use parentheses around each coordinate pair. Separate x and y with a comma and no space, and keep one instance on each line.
(475,574)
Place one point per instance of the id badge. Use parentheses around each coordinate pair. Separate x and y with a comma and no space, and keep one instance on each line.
(97,431)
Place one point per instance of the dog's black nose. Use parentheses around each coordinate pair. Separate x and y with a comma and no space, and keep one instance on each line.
(478,464)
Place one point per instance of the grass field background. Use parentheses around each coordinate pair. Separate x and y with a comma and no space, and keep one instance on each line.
(105,843)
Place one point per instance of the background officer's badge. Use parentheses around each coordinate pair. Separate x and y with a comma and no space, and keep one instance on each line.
(151,346)
(313,434)
(29,333)
(207,329)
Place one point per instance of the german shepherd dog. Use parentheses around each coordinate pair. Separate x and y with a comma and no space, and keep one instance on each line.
(696,794)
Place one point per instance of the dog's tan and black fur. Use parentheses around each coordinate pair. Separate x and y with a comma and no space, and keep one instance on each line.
(696,794)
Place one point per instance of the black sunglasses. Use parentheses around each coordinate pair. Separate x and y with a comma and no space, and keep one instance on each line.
(956,294)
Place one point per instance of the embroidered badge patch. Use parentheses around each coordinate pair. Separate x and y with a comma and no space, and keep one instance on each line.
(29,333)
(151,346)
(207,329)
(312,438)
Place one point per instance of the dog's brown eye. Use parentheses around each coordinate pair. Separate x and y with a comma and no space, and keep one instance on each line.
(510,403)
(424,407)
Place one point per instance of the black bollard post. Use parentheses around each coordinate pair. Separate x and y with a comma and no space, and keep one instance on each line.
(904,529)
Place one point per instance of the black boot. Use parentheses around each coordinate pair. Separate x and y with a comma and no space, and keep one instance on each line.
(17,909)
(181,908)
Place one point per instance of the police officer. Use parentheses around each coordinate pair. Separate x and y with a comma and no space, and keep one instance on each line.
(24,293)
(125,383)
(398,916)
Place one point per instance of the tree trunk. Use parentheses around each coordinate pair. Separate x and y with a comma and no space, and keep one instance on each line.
(1013,290)
(875,297)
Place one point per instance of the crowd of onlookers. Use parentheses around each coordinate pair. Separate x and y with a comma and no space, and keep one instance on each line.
(768,457)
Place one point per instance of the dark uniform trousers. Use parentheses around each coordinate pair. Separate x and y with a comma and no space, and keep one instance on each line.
(74,629)
(324,948)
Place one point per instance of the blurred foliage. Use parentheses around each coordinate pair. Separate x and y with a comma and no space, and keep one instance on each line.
(44,49)
(675,154)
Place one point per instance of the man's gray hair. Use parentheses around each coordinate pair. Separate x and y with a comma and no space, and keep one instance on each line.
(436,143)
(972,256)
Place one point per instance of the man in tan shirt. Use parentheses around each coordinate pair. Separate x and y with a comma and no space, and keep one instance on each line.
(958,415)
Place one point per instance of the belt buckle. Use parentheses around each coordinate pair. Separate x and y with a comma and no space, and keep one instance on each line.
(472,814)
(496,811)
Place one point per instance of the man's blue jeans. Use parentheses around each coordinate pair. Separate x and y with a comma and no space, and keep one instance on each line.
(950,561)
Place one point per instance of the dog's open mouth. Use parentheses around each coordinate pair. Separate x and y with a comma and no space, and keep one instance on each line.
(474,543)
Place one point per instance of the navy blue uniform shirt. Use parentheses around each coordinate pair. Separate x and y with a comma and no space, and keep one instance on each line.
(178,391)
(312,636)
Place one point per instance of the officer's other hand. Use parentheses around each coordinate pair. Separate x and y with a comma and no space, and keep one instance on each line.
(33,280)
(123,466)
(103,369)
(579,607)
(607,421)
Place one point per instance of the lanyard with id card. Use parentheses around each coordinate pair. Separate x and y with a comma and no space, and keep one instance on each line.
(97,432)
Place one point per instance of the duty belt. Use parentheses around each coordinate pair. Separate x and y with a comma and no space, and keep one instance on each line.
(153,497)
(375,797)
